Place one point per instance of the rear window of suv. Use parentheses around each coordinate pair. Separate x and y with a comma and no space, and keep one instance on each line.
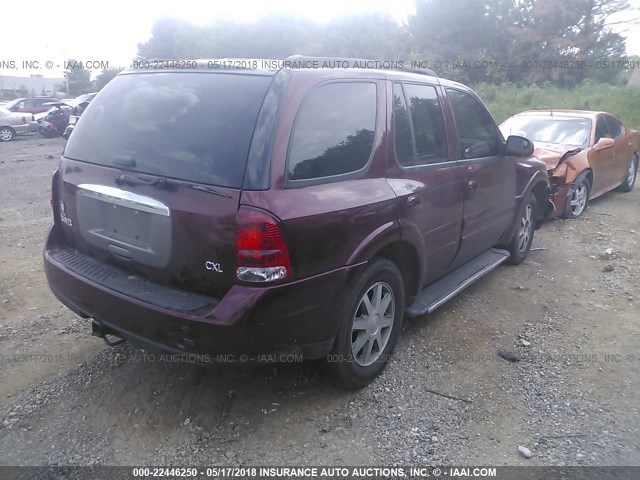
(189,126)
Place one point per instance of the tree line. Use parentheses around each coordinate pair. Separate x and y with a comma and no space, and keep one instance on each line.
(523,41)
(527,42)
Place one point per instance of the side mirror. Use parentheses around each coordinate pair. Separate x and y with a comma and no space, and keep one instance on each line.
(518,146)
(604,143)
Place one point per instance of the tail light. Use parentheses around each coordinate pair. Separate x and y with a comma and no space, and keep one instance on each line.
(261,251)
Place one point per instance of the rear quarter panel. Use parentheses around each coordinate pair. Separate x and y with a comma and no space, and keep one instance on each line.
(330,225)
(630,145)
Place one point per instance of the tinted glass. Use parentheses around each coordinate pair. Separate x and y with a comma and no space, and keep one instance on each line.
(615,127)
(334,131)
(477,134)
(428,124)
(602,129)
(190,126)
(559,130)
(402,127)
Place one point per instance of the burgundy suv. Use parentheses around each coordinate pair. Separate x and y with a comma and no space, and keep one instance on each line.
(212,212)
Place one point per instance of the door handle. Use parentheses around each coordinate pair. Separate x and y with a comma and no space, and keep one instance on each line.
(473,184)
(414,200)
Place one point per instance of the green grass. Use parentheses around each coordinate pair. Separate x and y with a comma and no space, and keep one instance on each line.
(508,99)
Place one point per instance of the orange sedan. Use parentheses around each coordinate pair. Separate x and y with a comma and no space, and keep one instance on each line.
(587,154)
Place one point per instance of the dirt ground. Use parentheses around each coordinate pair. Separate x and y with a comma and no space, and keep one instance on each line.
(571,311)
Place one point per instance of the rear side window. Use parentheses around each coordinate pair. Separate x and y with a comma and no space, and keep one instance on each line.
(402,134)
(616,128)
(478,135)
(602,128)
(430,137)
(185,125)
(334,131)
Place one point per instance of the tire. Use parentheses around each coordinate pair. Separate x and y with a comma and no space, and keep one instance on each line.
(6,134)
(348,361)
(630,179)
(519,247)
(578,201)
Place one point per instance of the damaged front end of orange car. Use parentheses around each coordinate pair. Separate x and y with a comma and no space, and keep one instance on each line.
(566,167)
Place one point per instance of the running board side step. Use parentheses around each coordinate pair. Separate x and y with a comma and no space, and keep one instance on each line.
(440,291)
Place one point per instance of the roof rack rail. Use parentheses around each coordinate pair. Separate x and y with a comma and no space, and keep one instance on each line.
(348,62)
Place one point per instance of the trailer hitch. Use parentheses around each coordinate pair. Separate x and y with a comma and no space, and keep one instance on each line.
(100,331)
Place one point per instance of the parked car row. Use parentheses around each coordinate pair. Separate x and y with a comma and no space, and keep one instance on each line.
(53,118)
(304,211)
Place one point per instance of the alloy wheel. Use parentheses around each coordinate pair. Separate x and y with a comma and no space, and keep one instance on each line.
(632,172)
(372,324)
(578,200)
(526,228)
(6,134)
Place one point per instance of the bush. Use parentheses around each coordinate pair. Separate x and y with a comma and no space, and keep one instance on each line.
(508,99)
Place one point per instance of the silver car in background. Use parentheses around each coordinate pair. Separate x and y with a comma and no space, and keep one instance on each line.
(15,123)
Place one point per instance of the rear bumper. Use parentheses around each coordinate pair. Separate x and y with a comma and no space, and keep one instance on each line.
(298,317)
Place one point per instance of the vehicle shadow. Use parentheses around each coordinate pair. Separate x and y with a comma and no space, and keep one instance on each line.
(147,404)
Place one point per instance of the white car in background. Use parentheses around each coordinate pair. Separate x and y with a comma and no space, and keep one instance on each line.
(15,123)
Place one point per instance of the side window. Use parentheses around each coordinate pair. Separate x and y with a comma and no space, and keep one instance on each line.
(403,138)
(19,105)
(477,133)
(602,128)
(429,133)
(616,129)
(29,104)
(334,131)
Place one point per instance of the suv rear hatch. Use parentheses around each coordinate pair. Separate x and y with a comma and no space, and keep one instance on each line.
(150,180)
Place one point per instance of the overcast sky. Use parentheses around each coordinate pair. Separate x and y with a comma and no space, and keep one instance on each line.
(111,30)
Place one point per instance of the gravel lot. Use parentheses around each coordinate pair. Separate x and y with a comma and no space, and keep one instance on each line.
(571,312)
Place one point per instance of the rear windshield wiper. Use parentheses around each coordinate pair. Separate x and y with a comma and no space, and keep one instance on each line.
(163,183)
(208,190)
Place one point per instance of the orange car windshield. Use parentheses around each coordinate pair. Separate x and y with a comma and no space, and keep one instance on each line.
(572,131)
